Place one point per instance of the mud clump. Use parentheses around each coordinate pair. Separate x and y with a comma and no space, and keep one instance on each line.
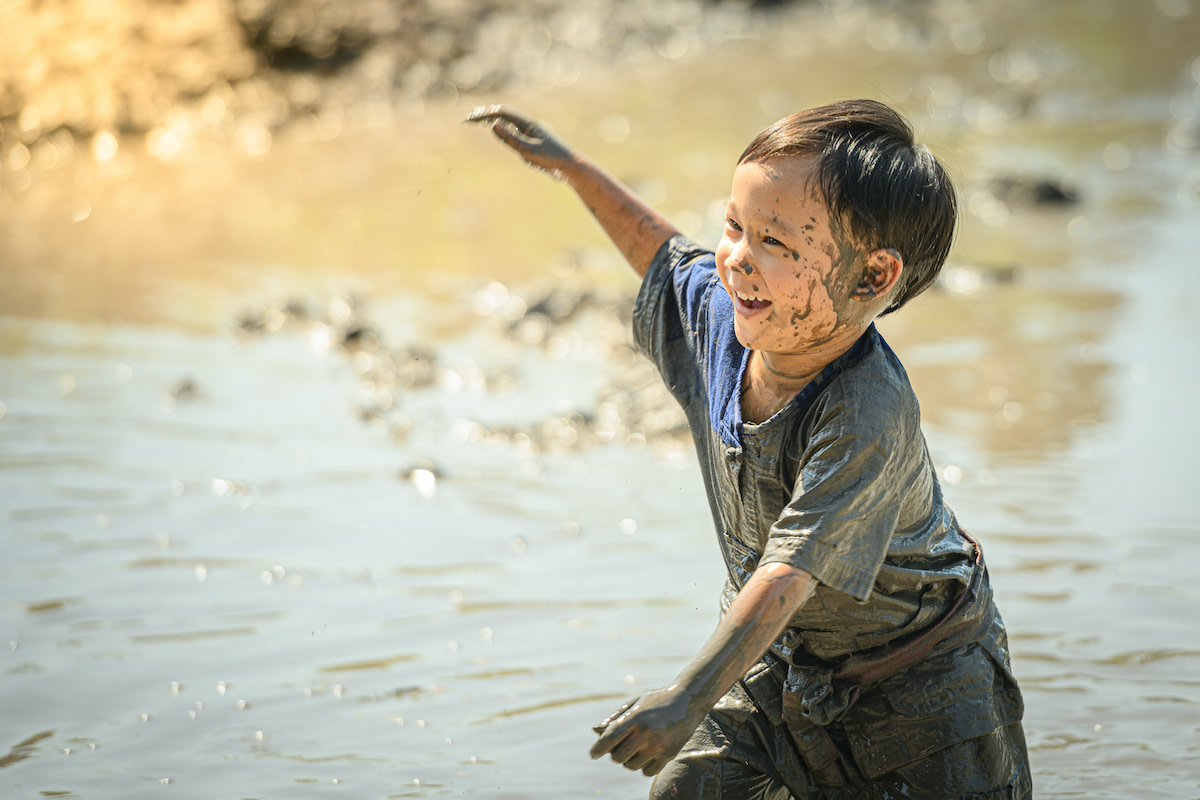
(402,386)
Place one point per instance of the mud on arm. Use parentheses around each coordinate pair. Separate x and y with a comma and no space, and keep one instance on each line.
(648,732)
(636,228)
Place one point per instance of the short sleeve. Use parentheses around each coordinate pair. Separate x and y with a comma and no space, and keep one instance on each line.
(844,507)
(670,314)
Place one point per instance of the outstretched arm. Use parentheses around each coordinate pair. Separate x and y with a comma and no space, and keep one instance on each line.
(647,733)
(634,227)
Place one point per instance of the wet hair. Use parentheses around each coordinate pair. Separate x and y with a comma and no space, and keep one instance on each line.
(881,188)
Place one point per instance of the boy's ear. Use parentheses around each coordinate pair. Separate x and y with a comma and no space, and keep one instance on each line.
(881,273)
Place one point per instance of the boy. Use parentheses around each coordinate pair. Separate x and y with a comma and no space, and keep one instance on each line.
(859,654)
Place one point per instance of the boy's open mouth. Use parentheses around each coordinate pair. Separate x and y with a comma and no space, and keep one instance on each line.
(750,301)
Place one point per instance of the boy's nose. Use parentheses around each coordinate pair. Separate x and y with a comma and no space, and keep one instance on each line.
(739,259)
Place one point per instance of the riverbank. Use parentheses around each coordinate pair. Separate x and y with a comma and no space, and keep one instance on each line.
(87,75)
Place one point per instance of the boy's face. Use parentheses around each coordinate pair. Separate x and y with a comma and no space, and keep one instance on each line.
(792,279)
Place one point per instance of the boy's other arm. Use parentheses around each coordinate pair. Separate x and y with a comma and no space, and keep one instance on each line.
(647,733)
(637,229)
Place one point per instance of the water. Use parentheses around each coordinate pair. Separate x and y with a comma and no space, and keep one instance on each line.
(242,560)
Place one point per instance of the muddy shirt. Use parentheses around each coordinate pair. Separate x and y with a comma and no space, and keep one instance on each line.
(838,483)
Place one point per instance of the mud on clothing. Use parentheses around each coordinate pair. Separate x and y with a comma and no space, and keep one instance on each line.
(838,483)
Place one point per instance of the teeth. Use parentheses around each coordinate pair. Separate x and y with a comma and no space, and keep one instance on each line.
(749,297)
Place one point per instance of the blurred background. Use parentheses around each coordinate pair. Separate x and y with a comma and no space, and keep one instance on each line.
(326,468)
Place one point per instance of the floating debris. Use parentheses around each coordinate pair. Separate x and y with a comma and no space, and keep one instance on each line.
(184,391)
(631,407)
(1031,191)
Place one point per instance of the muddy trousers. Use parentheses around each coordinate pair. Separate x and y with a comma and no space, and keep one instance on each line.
(738,754)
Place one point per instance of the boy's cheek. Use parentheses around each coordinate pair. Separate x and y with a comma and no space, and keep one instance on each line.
(722,272)
(813,310)
(721,256)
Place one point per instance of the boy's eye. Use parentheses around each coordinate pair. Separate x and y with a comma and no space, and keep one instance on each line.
(733,225)
(771,240)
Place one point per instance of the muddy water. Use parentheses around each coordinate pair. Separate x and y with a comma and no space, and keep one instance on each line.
(410,535)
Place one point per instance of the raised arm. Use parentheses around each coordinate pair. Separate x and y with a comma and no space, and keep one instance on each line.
(634,227)
(647,733)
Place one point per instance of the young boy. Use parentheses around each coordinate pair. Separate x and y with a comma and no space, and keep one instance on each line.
(859,654)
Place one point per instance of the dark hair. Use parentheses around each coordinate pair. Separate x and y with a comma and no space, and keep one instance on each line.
(879,186)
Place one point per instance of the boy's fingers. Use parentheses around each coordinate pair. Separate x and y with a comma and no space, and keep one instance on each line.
(511,135)
(654,767)
(601,726)
(609,741)
(485,113)
(504,131)
(500,113)
(627,753)
(639,761)
(508,133)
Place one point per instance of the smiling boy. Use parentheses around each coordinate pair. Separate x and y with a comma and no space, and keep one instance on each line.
(859,653)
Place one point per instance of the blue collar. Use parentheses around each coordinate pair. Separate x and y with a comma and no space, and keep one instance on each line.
(727,367)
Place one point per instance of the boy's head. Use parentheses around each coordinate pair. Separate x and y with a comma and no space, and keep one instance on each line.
(881,189)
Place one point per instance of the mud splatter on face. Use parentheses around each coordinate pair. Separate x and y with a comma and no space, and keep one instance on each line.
(813,314)
(843,279)
(807,279)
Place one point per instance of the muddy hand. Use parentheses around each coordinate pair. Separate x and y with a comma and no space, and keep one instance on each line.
(600,727)
(535,144)
(647,733)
